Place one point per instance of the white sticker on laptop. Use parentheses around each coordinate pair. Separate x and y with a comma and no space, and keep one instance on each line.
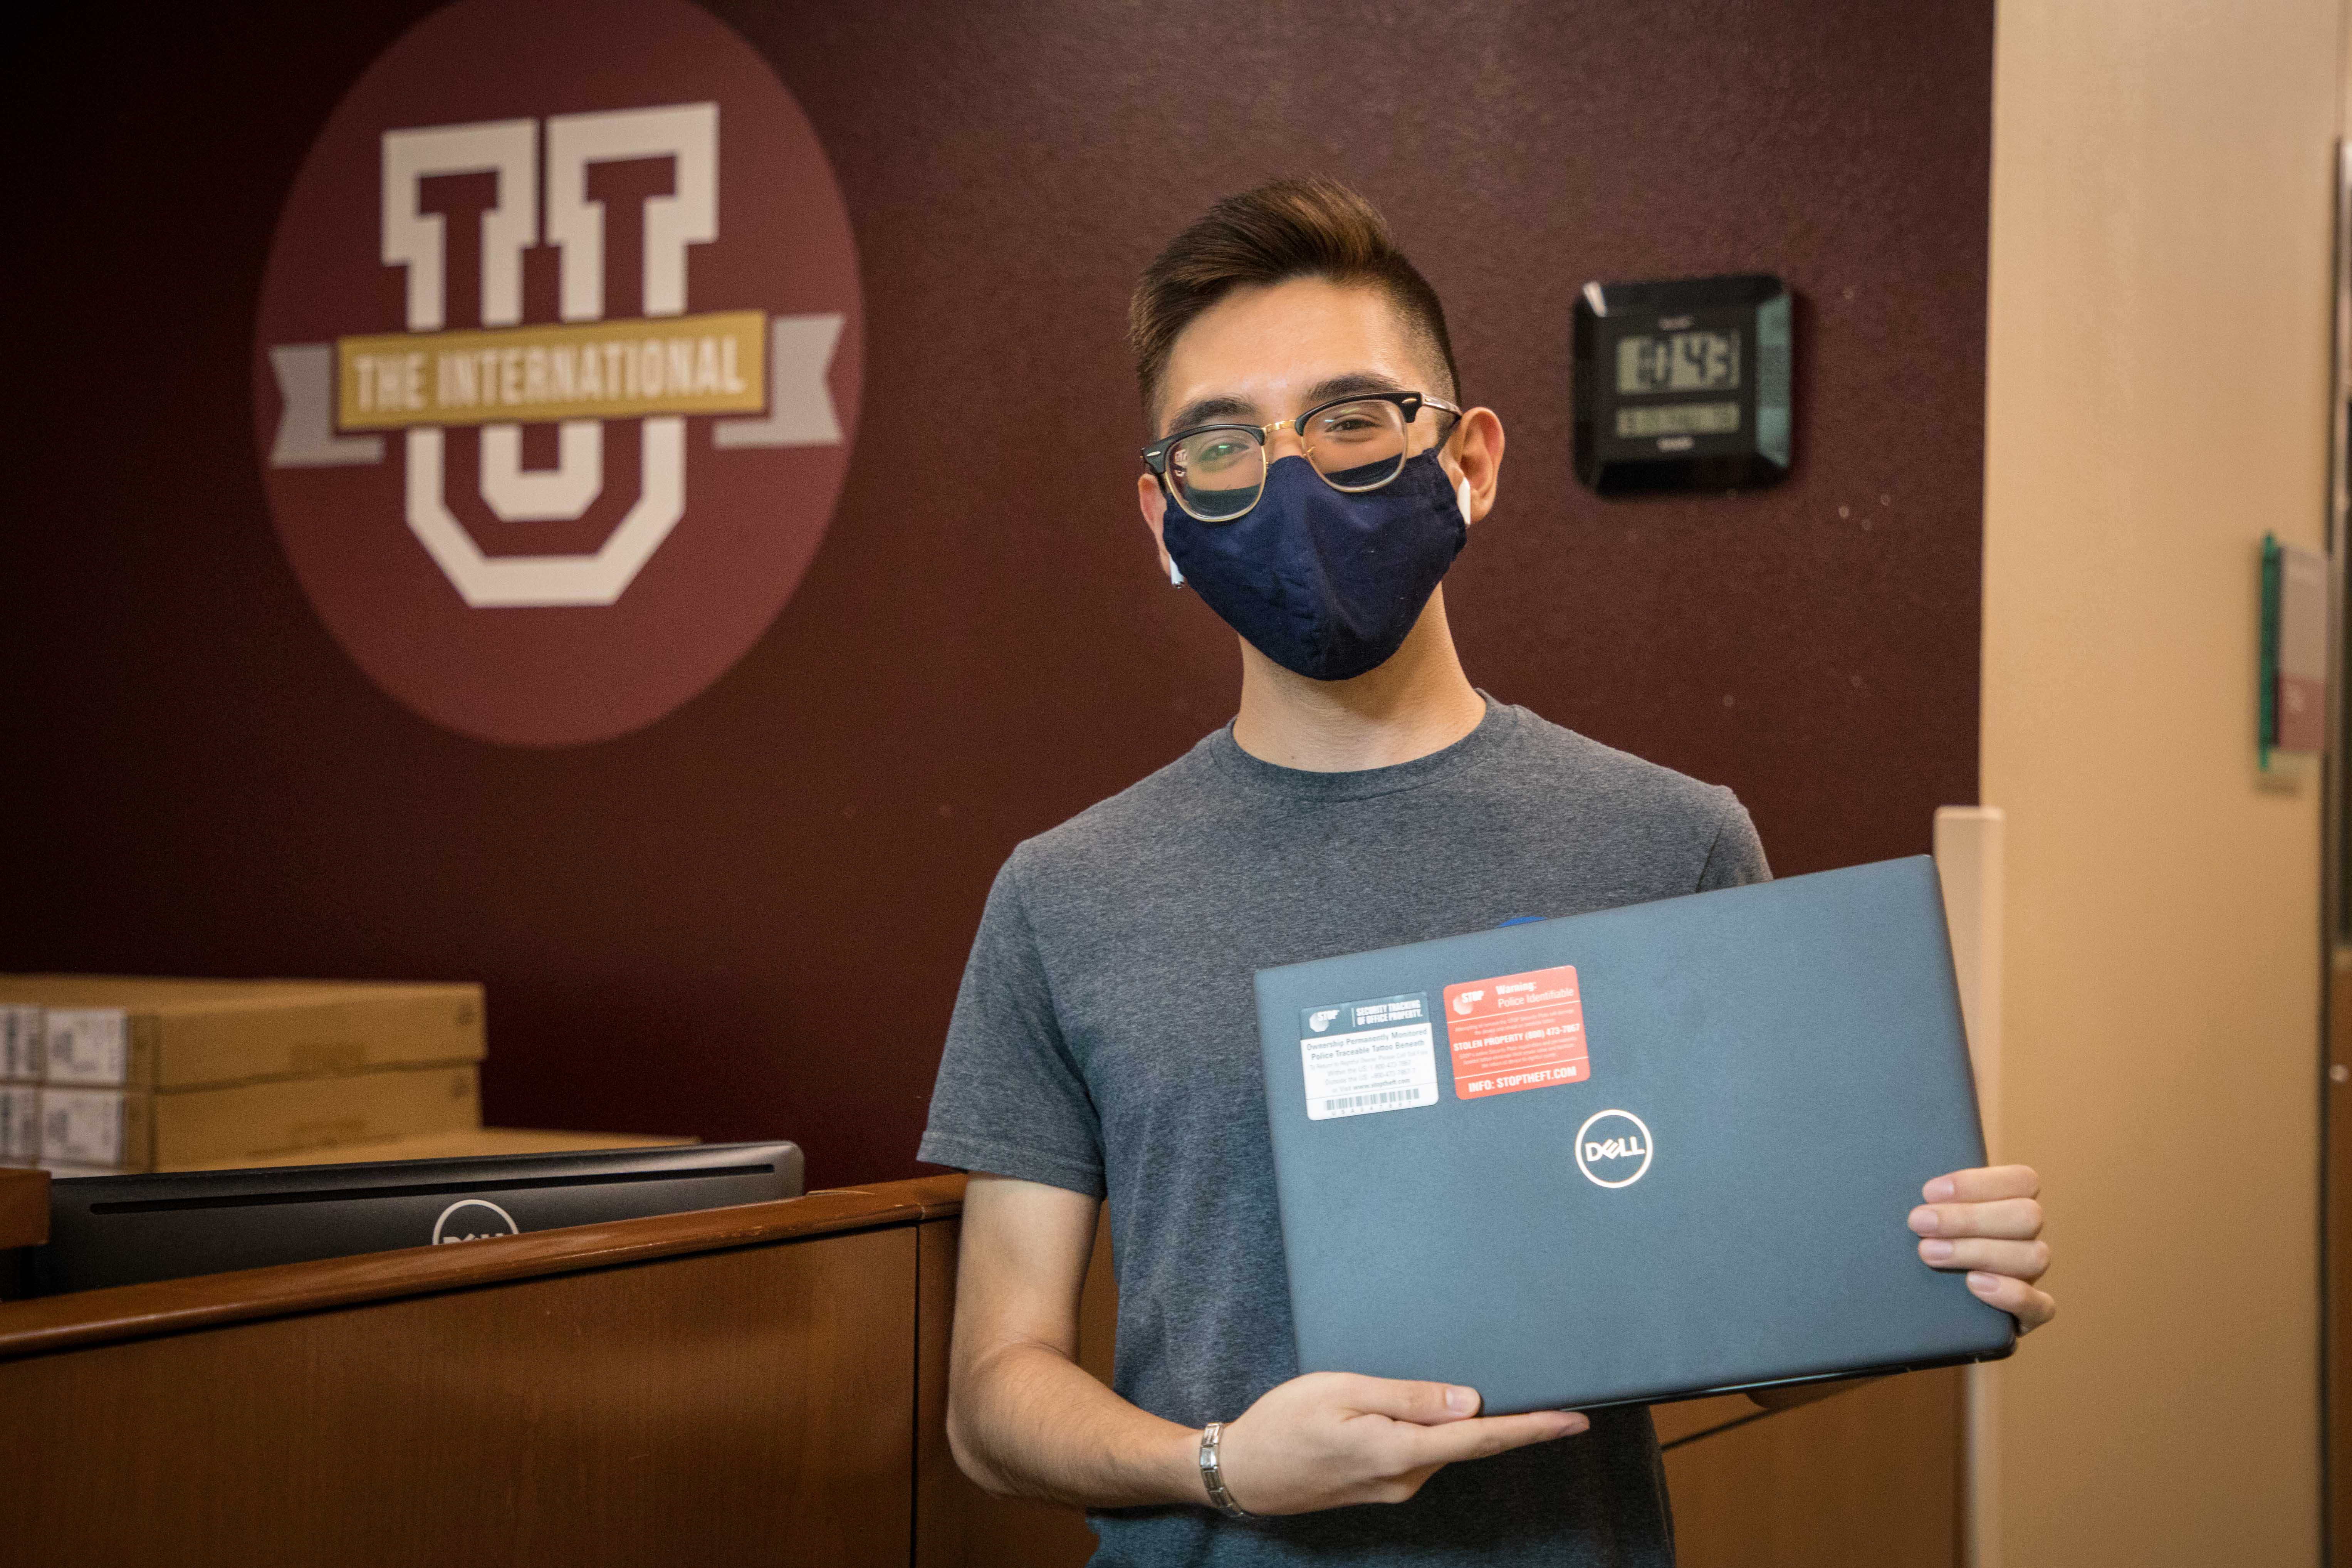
(1363,1057)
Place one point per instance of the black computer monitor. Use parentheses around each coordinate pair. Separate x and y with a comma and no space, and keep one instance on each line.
(123,1230)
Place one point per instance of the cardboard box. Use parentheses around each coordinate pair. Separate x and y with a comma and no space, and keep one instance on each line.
(139,1130)
(123,1032)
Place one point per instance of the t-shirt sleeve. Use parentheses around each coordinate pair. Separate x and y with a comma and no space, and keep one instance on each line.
(1010,1100)
(1737,857)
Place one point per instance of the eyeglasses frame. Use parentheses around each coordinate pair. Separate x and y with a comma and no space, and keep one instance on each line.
(1156,456)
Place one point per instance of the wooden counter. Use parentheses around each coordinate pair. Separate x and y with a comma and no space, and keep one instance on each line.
(208,1301)
(727,1386)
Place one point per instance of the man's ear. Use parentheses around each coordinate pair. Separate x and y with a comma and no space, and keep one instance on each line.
(1474,451)
(1154,505)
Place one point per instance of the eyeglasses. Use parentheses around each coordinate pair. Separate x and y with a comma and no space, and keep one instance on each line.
(1217,472)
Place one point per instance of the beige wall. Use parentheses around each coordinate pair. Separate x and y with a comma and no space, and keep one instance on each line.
(2160,318)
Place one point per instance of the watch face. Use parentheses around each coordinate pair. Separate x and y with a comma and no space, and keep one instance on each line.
(1682,385)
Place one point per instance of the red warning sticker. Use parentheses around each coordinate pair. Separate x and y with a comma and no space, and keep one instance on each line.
(1516,1032)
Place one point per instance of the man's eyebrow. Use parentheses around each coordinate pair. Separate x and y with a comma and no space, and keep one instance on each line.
(1211,410)
(1348,385)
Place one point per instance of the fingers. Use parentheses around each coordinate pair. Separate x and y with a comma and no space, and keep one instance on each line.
(2030,1307)
(1988,1222)
(2026,1260)
(2007,1219)
(1423,1403)
(1460,1440)
(1984,1185)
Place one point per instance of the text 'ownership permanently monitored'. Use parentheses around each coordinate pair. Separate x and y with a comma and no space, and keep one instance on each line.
(1365,1057)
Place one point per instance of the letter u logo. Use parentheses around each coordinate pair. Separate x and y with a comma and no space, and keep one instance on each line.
(688,134)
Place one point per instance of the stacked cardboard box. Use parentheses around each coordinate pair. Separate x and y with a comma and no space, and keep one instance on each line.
(112,1073)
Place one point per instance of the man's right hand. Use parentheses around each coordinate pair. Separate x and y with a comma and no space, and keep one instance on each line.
(1331,1437)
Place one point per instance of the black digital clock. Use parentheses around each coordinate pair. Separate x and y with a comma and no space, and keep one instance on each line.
(1682,384)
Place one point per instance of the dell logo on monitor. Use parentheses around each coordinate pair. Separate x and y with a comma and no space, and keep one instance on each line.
(473,1219)
(1612,1148)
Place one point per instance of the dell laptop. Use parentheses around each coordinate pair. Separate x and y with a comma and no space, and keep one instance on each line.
(1637,1156)
(127,1230)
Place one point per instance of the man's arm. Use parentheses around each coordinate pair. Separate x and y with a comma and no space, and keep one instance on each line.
(1025,1419)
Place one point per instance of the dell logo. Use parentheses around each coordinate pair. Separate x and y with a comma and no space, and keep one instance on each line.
(1612,1148)
(473,1219)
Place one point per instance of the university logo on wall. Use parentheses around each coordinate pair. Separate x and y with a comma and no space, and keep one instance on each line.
(557,365)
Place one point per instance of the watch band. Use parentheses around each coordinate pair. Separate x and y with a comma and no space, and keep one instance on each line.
(1213,1479)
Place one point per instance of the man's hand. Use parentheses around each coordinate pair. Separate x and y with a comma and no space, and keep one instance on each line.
(1986,1222)
(1331,1437)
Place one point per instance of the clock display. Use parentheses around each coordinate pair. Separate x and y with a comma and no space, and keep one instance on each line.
(1678,362)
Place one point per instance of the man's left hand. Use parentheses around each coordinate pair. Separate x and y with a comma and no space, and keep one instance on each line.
(1986,1222)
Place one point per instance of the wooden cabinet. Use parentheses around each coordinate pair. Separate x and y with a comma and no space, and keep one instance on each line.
(736,1385)
(1866,1478)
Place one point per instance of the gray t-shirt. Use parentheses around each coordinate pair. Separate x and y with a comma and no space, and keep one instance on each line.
(1105,1041)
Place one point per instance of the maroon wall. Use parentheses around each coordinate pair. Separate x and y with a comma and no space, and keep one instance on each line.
(748,918)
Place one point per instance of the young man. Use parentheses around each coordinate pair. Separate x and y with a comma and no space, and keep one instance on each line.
(1311,476)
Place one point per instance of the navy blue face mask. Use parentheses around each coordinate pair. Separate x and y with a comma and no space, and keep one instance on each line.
(1325,583)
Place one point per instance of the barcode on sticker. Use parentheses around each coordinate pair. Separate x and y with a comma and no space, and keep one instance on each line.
(1359,1102)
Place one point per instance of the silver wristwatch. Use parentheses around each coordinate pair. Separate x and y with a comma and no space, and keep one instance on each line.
(1213,1479)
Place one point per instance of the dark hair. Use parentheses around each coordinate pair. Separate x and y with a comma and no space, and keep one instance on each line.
(1314,227)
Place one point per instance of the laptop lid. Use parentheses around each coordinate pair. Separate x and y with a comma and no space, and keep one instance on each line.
(125,1230)
(1629,1156)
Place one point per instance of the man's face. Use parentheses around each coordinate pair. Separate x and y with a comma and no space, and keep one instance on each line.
(1272,351)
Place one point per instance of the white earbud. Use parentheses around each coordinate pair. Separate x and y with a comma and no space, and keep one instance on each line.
(1175,574)
(1462,497)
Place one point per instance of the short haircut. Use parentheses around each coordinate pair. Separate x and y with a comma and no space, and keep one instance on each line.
(1313,227)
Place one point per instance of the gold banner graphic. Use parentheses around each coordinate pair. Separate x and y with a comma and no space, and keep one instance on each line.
(713,363)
